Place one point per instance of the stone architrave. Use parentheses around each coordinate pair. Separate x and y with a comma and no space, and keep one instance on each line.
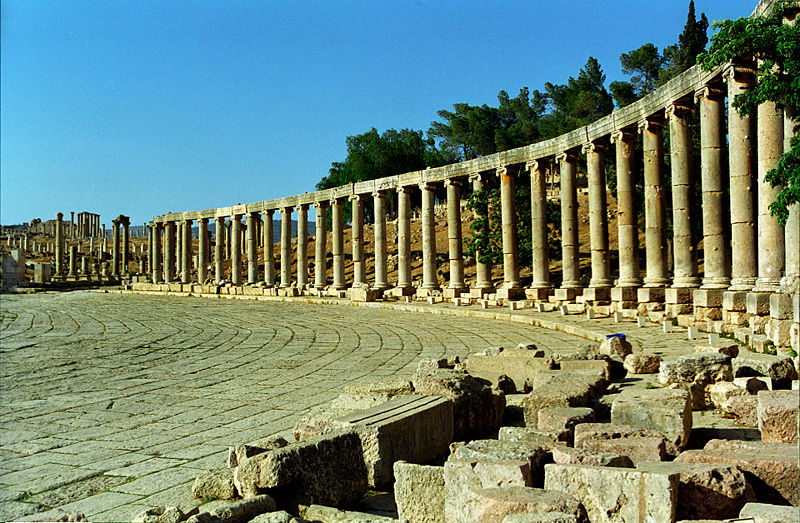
(598,215)
(269,253)
(286,247)
(302,246)
(381,278)
(539,230)
(404,237)
(651,129)
(219,248)
(684,256)
(571,277)
(236,249)
(320,246)
(744,262)
(483,269)
(454,239)
(508,191)
(357,239)
(429,278)
(338,244)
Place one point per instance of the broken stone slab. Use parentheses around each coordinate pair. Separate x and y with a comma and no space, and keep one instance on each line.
(730,349)
(667,411)
(777,415)
(388,387)
(771,468)
(573,456)
(779,368)
(324,419)
(518,365)
(529,435)
(488,450)
(215,484)
(744,409)
(564,418)
(239,452)
(719,393)
(477,408)
(598,365)
(327,469)
(550,517)
(158,515)
(753,384)
(615,345)
(638,444)
(490,505)
(237,511)
(612,494)
(325,514)
(419,492)
(766,513)
(642,363)
(561,389)
(704,369)
(591,352)
(280,516)
(706,490)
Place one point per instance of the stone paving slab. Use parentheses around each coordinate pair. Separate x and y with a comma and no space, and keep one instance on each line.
(143,391)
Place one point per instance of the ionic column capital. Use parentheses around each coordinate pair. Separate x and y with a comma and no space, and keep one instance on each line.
(592,147)
(427,186)
(379,194)
(623,135)
(708,91)
(203,221)
(287,209)
(452,182)
(678,109)
(567,157)
(652,123)
(506,170)
(404,189)
(535,165)
(740,73)
(335,201)
(356,197)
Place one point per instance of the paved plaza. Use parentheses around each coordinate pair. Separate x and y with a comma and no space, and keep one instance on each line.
(112,403)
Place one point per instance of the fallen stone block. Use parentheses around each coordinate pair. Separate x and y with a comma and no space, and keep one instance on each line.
(529,435)
(561,389)
(617,494)
(615,345)
(518,365)
(280,516)
(730,349)
(550,517)
(706,490)
(155,515)
(642,363)
(744,409)
(667,411)
(419,492)
(593,366)
(490,505)
(240,452)
(591,352)
(771,468)
(719,393)
(324,514)
(564,418)
(765,513)
(779,368)
(237,512)
(571,456)
(753,384)
(326,469)
(214,484)
(777,415)
(696,368)
(638,444)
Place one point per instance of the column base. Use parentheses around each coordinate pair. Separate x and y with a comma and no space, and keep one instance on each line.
(399,292)
(686,282)
(571,284)
(510,293)
(624,298)
(382,286)
(538,293)
(742,284)
(717,282)
(597,294)
(480,292)
(628,282)
(600,283)
(656,282)
(767,285)
(650,294)
(567,293)
(734,301)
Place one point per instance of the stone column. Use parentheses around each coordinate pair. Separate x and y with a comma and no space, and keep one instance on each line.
(202,250)
(169,252)
(570,259)
(655,246)
(771,254)
(59,244)
(429,278)
(404,237)
(179,250)
(685,262)
(598,214)
(483,275)
(627,224)
(72,232)
(716,274)
(228,236)
(302,246)
(508,192)
(157,265)
(455,246)
(269,253)
(791,280)
(73,261)
(252,247)
(149,269)
(381,278)
(186,251)
(219,248)
(321,246)
(115,256)
(286,247)
(357,237)
(338,244)
(236,249)
(540,260)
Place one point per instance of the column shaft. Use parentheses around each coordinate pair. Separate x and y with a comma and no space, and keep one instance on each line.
(429,278)
(219,248)
(286,247)
(404,237)
(627,224)
(598,215)
(186,251)
(655,246)
(169,251)
(115,255)
(157,262)
(483,276)
(269,248)
(202,250)
(379,203)
(357,237)
(791,281)
(302,246)
(454,240)
(540,261)
(252,247)
(59,247)
(508,212)
(321,246)
(338,245)
(771,254)
(570,258)
(236,249)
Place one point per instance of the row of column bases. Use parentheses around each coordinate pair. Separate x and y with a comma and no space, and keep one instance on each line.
(755,257)
(120,253)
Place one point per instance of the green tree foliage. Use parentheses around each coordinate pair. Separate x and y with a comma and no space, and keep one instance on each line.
(776,46)
(486,242)
(691,42)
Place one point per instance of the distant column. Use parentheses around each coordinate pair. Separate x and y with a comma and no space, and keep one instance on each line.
(286,247)
(655,246)
(302,246)
(744,261)
(269,248)
(771,254)
(156,266)
(59,243)
(404,237)
(219,248)
(236,249)
(716,274)
(429,278)
(72,231)
(455,248)
(252,247)
(540,261)
(338,244)
(169,252)
(321,246)
(570,260)
(116,254)
(186,251)
(381,278)
(202,250)
(483,270)
(357,239)
(73,261)
(598,215)
(685,262)
(508,192)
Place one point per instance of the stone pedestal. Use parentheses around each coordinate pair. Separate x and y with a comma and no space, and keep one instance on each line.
(678,300)
(707,304)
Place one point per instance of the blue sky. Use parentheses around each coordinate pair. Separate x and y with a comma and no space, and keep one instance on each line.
(145,107)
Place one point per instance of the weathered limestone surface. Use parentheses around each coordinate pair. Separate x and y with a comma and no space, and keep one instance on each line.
(706,491)
(696,368)
(489,505)
(519,365)
(766,513)
(638,444)
(777,415)
(770,467)
(564,418)
(642,363)
(549,438)
(237,512)
(612,494)
(719,393)
(561,389)
(327,514)
(779,368)
(564,455)
(744,408)
(419,492)
(214,484)
(550,517)
(667,411)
